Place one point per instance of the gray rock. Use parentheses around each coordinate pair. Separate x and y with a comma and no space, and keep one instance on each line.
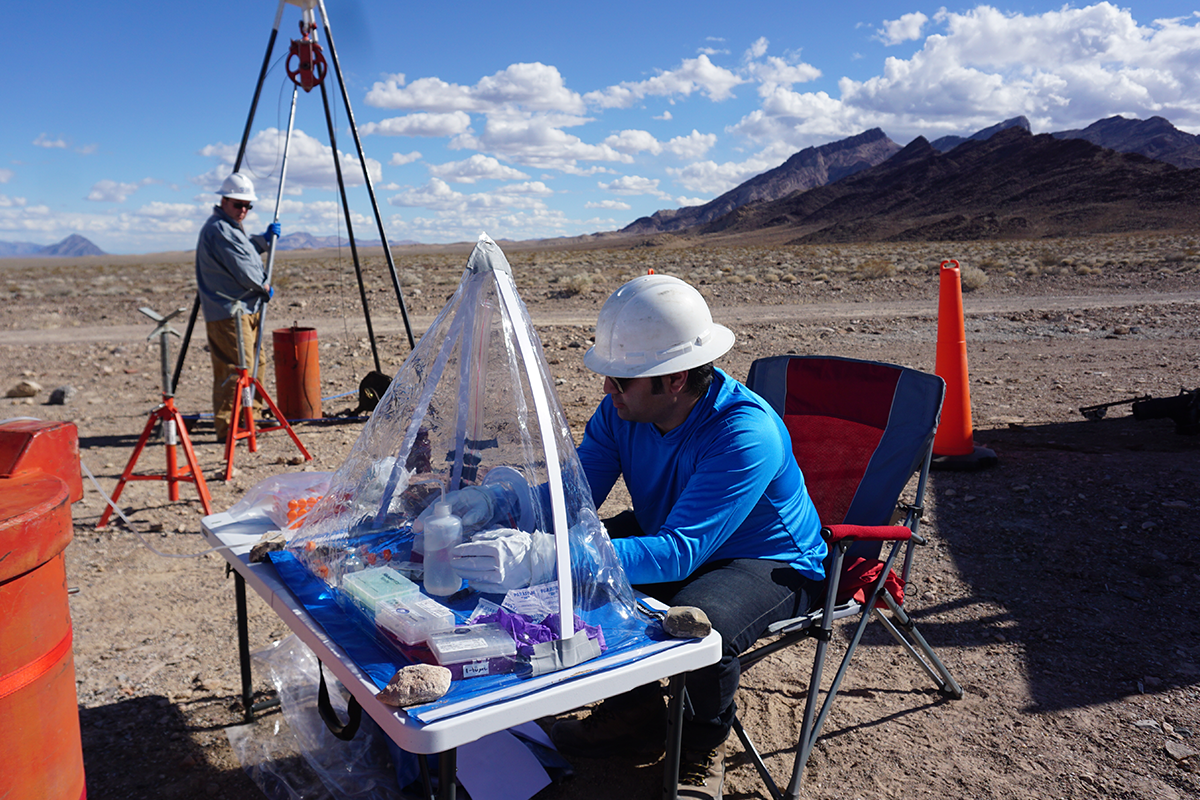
(415,684)
(1178,750)
(686,622)
(62,395)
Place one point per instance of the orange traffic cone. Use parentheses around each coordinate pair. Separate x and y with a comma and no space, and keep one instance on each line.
(953,444)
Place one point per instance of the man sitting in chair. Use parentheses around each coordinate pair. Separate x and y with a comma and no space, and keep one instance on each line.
(721,518)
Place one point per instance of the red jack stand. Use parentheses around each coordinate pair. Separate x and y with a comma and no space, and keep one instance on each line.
(243,402)
(174,434)
(243,405)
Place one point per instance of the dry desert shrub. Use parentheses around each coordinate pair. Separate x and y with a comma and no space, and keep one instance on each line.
(874,268)
(972,277)
(575,284)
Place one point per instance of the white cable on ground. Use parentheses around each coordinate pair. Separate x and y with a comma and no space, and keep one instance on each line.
(138,533)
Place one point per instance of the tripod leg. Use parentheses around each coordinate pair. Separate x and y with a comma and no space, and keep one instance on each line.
(232,436)
(190,454)
(283,423)
(137,451)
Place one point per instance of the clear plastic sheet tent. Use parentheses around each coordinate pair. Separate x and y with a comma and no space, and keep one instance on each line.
(474,406)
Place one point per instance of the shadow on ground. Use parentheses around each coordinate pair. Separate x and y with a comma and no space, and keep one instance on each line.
(1083,542)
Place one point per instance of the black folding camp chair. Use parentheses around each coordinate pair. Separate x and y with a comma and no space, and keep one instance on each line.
(860,430)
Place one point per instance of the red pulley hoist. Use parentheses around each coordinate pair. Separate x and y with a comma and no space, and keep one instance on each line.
(310,66)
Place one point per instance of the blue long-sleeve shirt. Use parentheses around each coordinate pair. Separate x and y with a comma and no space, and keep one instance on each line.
(228,265)
(724,484)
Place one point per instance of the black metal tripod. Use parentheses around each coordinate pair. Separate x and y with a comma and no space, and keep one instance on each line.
(309,72)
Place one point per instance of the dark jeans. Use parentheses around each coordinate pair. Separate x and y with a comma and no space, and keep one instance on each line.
(741,598)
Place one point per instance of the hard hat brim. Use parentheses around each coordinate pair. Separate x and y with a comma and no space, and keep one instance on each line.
(719,343)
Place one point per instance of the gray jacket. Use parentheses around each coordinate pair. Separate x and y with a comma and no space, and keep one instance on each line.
(228,266)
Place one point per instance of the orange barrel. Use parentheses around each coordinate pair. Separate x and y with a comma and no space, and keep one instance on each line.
(39,713)
(297,372)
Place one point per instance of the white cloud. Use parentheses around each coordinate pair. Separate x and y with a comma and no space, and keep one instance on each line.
(758,49)
(400,159)
(610,205)
(694,145)
(476,168)
(635,185)
(43,140)
(665,116)
(6,175)
(310,164)
(1062,69)
(906,29)
(11,202)
(632,142)
(709,177)
(438,196)
(421,124)
(107,191)
(693,75)
(536,143)
(529,87)
(777,72)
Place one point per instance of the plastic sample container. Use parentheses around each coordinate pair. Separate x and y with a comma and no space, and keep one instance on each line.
(473,650)
(370,587)
(413,618)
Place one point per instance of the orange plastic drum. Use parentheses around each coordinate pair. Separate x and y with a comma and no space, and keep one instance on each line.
(297,372)
(40,751)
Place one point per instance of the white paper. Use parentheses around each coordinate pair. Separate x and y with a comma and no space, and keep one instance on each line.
(500,767)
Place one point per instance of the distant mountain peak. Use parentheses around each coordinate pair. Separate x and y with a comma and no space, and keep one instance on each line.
(70,247)
(947,143)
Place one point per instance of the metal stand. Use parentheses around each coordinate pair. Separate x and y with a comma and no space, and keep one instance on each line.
(310,72)
(243,404)
(175,433)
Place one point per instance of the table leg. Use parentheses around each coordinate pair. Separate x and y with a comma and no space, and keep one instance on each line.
(674,736)
(239,591)
(447,774)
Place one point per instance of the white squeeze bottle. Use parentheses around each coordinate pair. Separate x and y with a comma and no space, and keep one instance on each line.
(442,532)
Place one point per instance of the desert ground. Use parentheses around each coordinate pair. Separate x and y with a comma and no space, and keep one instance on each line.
(1060,587)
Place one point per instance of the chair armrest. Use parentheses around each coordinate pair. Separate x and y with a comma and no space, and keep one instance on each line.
(869,533)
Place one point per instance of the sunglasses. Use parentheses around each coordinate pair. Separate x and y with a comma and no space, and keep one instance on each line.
(617,383)
(242,204)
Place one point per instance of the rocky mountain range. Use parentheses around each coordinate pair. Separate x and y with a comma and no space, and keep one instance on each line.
(1013,185)
(813,166)
(839,162)
(1154,138)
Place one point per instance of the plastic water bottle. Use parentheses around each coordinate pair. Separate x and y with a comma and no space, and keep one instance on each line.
(442,532)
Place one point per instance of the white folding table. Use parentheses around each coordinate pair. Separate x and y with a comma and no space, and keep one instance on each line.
(559,692)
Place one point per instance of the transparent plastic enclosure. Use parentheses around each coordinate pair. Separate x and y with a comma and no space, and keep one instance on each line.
(472,419)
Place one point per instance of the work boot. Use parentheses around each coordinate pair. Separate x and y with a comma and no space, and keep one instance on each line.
(701,773)
(619,725)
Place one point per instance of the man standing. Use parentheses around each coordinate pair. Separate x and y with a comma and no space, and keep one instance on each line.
(721,518)
(230,271)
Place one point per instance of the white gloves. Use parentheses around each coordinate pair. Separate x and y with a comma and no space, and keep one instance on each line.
(502,559)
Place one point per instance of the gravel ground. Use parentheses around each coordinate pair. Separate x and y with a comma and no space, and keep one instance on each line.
(1060,586)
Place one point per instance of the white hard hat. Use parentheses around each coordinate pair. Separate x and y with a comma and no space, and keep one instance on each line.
(655,325)
(238,187)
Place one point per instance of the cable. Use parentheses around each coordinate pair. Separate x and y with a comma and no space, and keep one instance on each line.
(138,533)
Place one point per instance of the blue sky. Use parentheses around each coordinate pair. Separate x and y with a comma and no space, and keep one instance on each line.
(535,119)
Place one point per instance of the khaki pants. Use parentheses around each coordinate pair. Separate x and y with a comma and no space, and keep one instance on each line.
(223,348)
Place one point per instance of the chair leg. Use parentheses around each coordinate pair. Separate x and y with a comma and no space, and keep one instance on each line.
(916,646)
(757,759)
